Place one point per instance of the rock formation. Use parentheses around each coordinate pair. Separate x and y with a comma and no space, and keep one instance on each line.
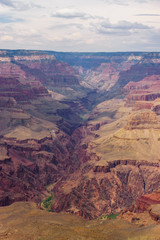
(82,126)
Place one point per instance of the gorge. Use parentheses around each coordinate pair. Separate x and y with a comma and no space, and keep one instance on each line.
(83,128)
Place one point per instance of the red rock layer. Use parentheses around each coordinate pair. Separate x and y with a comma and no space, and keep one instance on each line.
(142,120)
(144,202)
(80,186)
(28,166)
(24,77)
(142,92)
(108,189)
(13,88)
(51,72)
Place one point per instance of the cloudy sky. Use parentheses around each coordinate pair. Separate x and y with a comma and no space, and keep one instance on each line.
(80,25)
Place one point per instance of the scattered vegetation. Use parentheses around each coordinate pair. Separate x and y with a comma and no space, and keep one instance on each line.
(47,203)
(110,216)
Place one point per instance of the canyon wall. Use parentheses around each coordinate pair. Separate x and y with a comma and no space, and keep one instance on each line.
(83,126)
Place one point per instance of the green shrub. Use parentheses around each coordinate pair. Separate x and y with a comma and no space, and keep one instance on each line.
(110,216)
(47,203)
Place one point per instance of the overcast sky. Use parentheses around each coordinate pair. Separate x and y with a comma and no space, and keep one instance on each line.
(80,25)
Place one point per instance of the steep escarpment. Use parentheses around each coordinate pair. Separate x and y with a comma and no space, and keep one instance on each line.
(106,190)
(12,87)
(34,151)
(49,71)
(27,166)
(35,82)
(122,145)
(85,129)
(138,72)
(121,166)
(39,69)
(143,93)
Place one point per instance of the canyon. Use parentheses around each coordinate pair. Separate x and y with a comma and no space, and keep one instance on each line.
(84,128)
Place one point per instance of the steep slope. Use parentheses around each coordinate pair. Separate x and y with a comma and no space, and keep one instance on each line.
(121,144)
(31,79)
(34,151)
(86,129)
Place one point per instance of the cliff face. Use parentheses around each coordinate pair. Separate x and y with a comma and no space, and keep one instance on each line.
(49,70)
(35,70)
(86,129)
(141,95)
(106,75)
(27,166)
(105,190)
(34,152)
(121,144)
(21,92)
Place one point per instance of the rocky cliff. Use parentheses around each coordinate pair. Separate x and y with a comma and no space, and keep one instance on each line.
(83,126)
(104,190)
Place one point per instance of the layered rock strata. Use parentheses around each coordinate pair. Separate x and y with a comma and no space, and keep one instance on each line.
(95,169)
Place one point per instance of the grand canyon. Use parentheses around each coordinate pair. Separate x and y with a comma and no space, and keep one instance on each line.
(79,145)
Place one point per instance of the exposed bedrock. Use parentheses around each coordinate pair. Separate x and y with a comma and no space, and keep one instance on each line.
(142,97)
(144,202)
(156,109)
(142,94)
(98,168)
(12,87)
(109,189)
(27,166)
(146,119)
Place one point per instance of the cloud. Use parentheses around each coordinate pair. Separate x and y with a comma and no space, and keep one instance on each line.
(6,38)
(118,2)
(121,28)
(18,5)
(25,6)
(69,13)
(147,15)
(8,3)
(80,25)
(8,19)
(66,26)
(125,2)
